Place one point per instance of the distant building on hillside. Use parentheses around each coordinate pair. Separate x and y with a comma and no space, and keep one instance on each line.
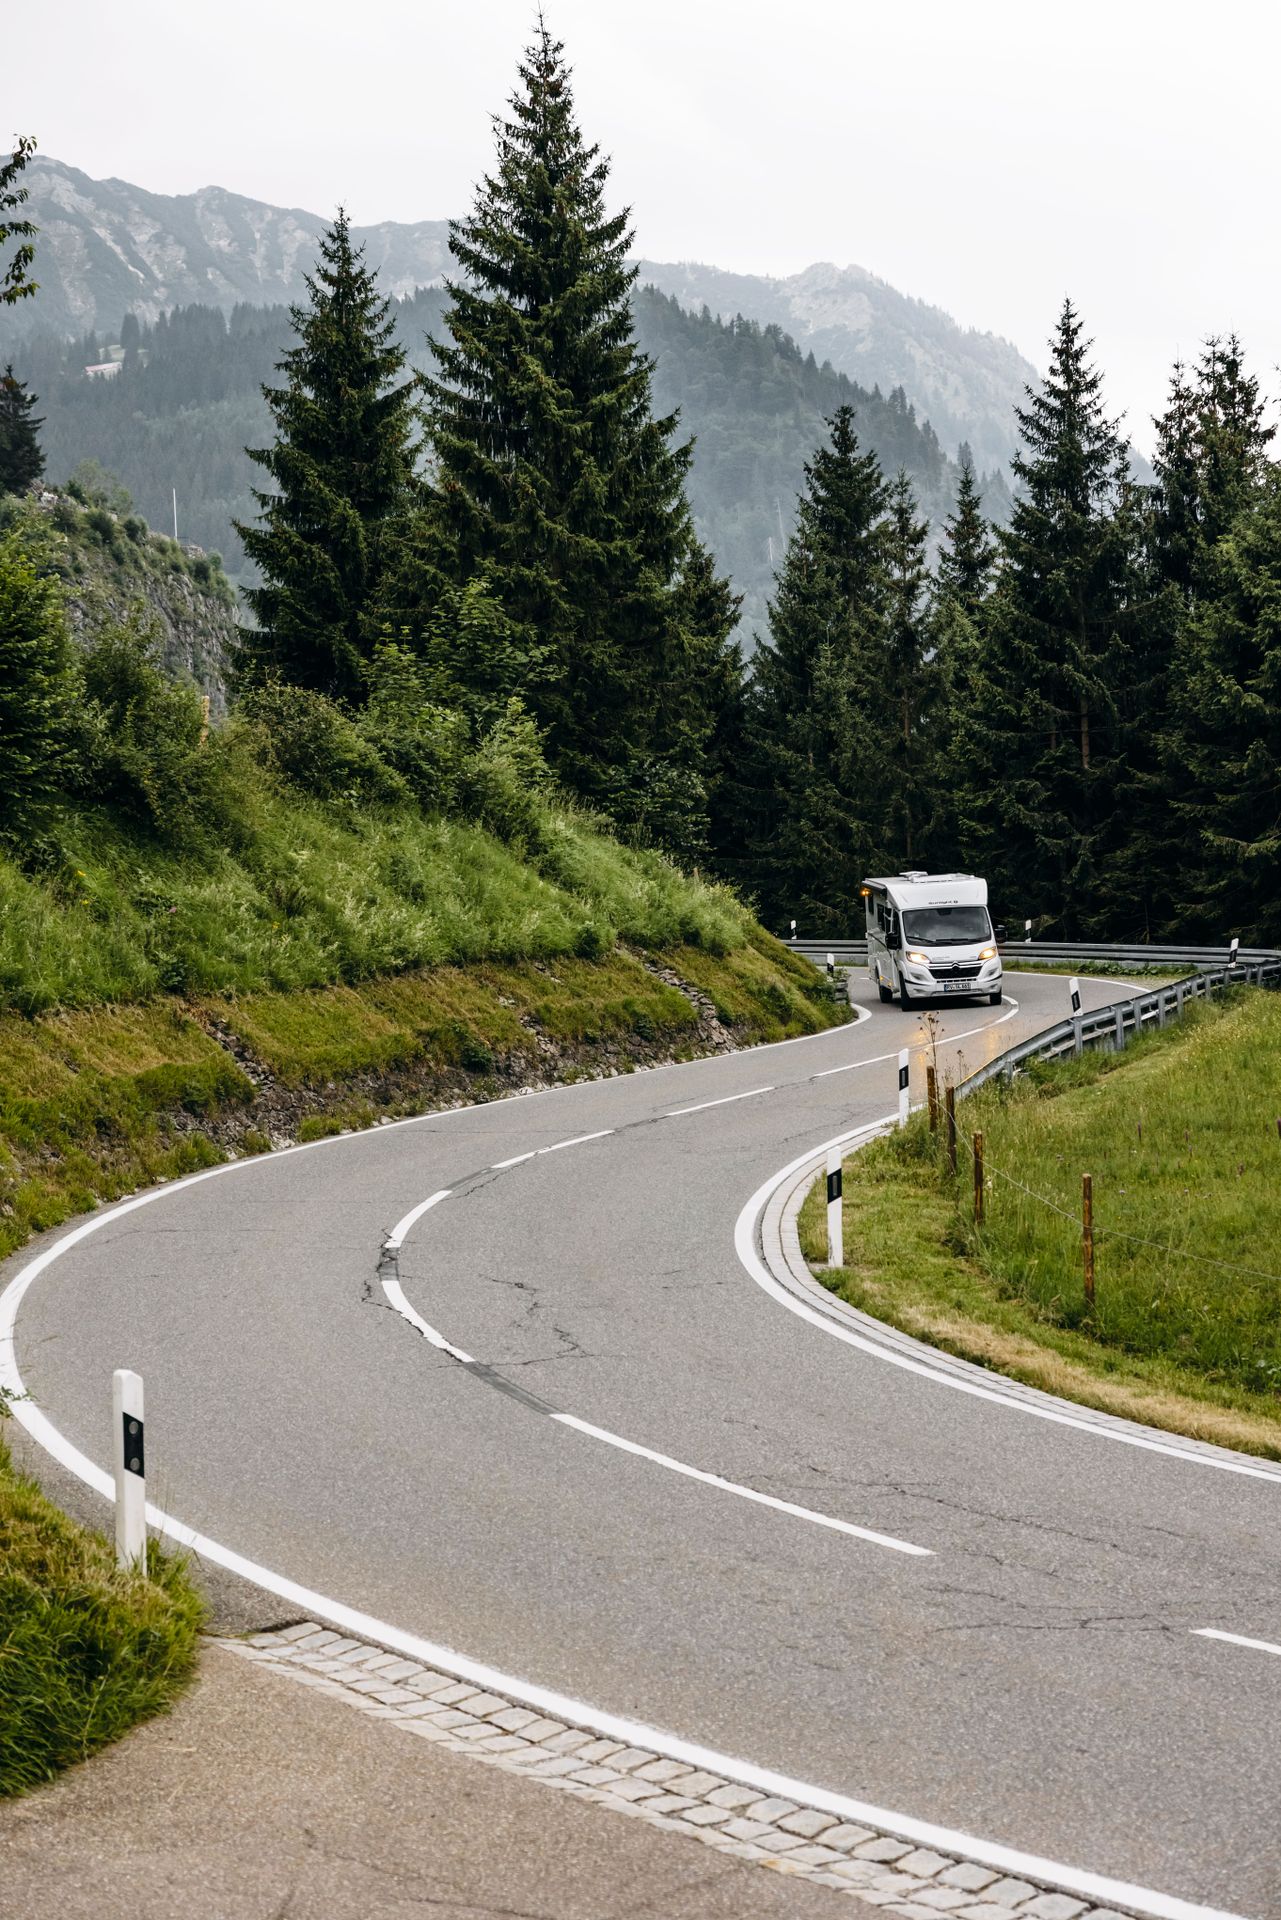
(104,370)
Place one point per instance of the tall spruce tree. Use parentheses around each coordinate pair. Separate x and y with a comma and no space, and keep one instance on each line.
(1224,739)
(21,461)
(553,475)
(342,463)
(962,585)
(968,551)
(822,717)
(1040,741)
(1214,708)
(911,679)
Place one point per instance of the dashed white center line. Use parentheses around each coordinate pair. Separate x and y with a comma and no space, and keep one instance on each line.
(744,1493)
(401,1228)
(727,1100)
(579,1140)
(1236,1639)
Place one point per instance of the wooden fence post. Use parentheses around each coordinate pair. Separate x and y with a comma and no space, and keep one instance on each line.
(1087,1236)
(950,1108)
(932,1097)
(978,1179)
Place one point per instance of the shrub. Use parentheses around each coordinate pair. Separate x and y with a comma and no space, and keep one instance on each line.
(309,741)
(141,741)
(35,690)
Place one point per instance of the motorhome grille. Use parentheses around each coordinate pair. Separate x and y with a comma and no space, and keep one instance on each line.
(954,969)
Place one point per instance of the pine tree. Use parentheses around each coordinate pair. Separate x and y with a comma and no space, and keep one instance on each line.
(21,461)
(822,718)
(552,474)
(1214,708)
(968,552)
(911,681)
(1224,743)
(342,463)
(34,690)
(1040,742)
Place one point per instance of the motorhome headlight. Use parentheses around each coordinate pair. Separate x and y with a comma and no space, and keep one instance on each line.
(919,958)
(988,953)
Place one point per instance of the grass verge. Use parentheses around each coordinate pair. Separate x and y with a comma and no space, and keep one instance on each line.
(86,1650)
(1181,1137)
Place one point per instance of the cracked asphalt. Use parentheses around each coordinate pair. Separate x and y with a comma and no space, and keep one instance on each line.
(1036,1682)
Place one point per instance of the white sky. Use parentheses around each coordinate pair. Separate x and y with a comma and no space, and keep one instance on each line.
(986,155)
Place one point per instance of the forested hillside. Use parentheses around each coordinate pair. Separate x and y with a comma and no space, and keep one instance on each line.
(187,401)
(108,246)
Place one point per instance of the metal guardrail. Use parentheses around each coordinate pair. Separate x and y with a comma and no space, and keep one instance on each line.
(1115,1024)
(853,952)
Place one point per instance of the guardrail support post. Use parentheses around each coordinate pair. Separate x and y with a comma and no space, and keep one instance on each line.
(1087,1236)
(130,1466)
(1074,989)
(932,1096)
(904,1094)
(978,1179)
(1118,1021)
(1160,1006)
(1178,999)
(835,1225)
(949,1103)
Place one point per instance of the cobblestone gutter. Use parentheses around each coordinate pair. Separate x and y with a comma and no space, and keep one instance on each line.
(870,1866)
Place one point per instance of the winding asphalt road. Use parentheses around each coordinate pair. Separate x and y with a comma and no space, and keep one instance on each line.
(1033,1676)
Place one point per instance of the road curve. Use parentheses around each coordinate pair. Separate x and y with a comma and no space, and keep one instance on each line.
(614,1466)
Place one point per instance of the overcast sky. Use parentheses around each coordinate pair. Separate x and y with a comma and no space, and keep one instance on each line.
(985,155)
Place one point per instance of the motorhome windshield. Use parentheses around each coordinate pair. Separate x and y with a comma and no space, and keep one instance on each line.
(946,926)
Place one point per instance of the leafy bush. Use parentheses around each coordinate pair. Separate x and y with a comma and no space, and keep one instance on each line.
(425,742)
(507,781)
(309,741)
(141,741)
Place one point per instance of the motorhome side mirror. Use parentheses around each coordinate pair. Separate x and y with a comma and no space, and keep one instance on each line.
(1002,935)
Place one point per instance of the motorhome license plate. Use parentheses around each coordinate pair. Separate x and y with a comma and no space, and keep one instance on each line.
(957,986)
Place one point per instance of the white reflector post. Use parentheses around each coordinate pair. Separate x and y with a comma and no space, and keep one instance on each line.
(831,966)
(835,1226)
(1027,931)
(793,929)
(1232,950)
(131,1468)
(903,1093)
(1074,987)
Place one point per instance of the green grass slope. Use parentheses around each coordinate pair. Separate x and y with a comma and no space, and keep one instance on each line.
(86,1650)
(1180,1137)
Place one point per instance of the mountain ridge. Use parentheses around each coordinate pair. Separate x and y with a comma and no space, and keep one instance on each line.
(108,247)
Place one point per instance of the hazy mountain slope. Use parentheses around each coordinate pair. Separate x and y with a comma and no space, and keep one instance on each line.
(107,248)
(187,400)
(967,382)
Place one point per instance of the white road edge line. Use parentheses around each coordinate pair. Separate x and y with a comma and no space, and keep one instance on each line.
(1236,1639)
(745,1243)
(923,1046)
(727,1100)
(744,1493)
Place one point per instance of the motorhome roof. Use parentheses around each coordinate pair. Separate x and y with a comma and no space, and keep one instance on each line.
(917,889)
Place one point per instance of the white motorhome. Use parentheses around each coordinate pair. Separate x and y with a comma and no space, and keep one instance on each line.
(929,935)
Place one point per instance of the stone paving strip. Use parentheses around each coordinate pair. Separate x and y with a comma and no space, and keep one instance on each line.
(873,1867)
